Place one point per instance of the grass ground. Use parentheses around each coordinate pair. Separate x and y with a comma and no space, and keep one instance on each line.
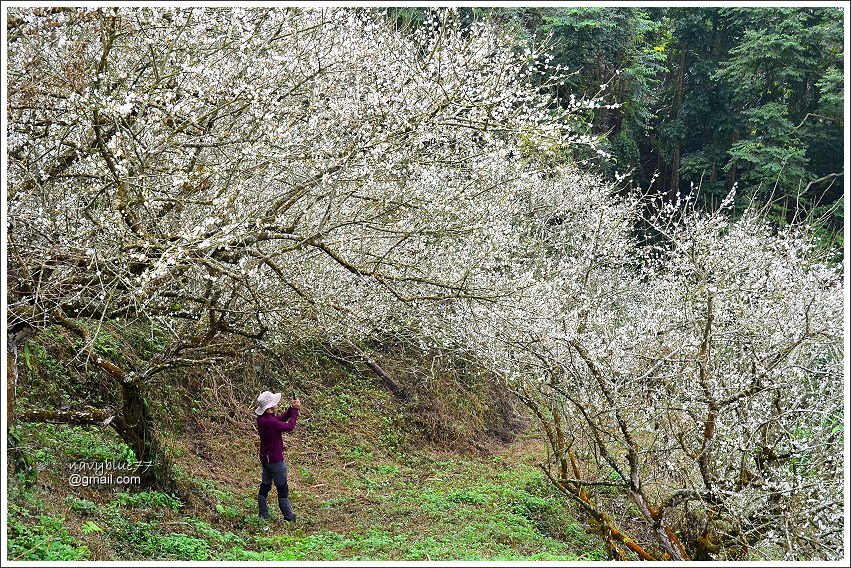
(356,504)
(446,473)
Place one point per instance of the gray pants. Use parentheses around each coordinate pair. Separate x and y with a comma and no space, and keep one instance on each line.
(277,473)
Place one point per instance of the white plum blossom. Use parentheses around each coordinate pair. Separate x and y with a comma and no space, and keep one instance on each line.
(702,369)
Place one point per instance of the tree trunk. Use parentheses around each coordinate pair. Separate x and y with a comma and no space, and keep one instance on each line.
(731,177)
(675,173)
(133,421)
(713,177)
(392,385)
(678,103)
(136,426)
(14,339)
(87,416)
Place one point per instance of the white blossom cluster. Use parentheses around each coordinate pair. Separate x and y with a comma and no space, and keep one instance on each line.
(708,362)
(285,159)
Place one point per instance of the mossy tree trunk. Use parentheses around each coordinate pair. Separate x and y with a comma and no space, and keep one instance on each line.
(135,424)
(132,421)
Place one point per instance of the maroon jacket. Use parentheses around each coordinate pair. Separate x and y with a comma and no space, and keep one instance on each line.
(270,428)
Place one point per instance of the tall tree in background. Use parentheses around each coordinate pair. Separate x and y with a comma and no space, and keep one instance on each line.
(713,98)
(754,99)
(781,66)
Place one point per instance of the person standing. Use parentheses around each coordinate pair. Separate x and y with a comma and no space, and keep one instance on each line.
(271,427)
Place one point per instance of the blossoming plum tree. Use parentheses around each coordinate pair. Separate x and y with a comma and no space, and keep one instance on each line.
(264,173)
(698,379)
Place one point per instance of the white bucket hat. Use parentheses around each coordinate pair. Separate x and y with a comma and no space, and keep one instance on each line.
(266,400)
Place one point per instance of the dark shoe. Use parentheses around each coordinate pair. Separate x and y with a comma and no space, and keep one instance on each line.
(286,509)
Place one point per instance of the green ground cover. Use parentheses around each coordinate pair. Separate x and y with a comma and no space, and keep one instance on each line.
(361,506)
